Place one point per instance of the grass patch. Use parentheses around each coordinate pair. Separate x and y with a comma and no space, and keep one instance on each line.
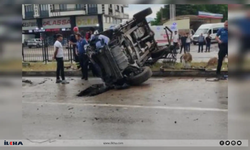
(40,66)
(10,65)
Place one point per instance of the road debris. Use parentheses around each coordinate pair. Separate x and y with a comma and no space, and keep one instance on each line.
(93,90)
(27,81)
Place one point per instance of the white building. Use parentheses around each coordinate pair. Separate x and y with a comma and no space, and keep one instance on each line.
(63,17)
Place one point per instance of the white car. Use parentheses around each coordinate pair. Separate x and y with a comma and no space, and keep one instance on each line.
(34,43)
(207,28)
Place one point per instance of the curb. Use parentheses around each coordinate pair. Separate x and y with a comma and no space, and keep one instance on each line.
(186,73)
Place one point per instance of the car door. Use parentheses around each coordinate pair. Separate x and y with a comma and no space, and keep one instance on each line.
(213,35)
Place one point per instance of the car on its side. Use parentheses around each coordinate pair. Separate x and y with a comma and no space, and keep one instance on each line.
(131,49)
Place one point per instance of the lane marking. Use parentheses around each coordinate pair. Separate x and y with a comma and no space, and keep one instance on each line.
(133,106)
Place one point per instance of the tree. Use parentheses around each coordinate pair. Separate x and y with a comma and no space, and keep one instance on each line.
(184,9)
(157,20)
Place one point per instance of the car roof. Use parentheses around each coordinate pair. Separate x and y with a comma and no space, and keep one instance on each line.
(212,25)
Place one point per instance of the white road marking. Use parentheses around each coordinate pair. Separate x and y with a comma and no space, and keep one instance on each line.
(133,106)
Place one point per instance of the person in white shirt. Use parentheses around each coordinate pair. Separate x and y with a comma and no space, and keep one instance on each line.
(176,40)
(188,42)
(58,55)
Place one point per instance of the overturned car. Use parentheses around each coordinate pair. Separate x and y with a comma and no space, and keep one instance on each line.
(125,59)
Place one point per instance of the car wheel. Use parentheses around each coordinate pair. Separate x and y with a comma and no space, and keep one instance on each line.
(159,52)
(143,14)
(30,46)
(195,43)
(141,77)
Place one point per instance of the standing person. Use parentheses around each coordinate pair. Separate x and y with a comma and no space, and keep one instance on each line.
(176,40)
(201,40)
(92,32)
(84,60)
(208,42)
(188,41)
(87,35)
(58,55)
(73,42)
(183,42)
(222,39)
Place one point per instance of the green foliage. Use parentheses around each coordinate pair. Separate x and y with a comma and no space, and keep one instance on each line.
(191,9)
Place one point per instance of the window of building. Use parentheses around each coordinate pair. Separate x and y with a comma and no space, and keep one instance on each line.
(122,9)
(118,8)
(80,6)
(29,8)
(52,7)
(63,6)
(92,8)
(44,7)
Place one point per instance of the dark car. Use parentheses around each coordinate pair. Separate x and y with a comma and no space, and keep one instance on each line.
(131,48)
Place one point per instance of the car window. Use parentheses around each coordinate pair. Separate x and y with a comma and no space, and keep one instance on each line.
(215,30)
(201,31)
(210,31)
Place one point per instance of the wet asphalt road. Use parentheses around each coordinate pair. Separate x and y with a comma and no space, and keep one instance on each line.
(161,108)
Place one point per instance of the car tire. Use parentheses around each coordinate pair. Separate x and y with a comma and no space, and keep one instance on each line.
(30,46)
(159,52)
(194,43)
(143,14)
(140,78)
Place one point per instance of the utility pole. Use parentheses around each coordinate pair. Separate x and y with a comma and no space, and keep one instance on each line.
(172,11)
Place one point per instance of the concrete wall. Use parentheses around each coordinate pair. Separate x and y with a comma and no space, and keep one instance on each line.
(106,9)
(23,11)
(71,6)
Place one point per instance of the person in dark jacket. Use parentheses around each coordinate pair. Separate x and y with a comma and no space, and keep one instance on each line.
(222,39)
(183,42)
(84,60)
(208,42)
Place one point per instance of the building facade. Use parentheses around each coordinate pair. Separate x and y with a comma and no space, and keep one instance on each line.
(51,18)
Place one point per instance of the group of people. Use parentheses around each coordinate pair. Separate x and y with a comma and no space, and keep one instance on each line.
(184,40)
(78,42)
(204,41)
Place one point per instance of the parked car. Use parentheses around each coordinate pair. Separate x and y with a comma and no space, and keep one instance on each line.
(34,43)
(131,48)
(205,29)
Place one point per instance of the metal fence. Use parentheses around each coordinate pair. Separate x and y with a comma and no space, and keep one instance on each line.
(44,52)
